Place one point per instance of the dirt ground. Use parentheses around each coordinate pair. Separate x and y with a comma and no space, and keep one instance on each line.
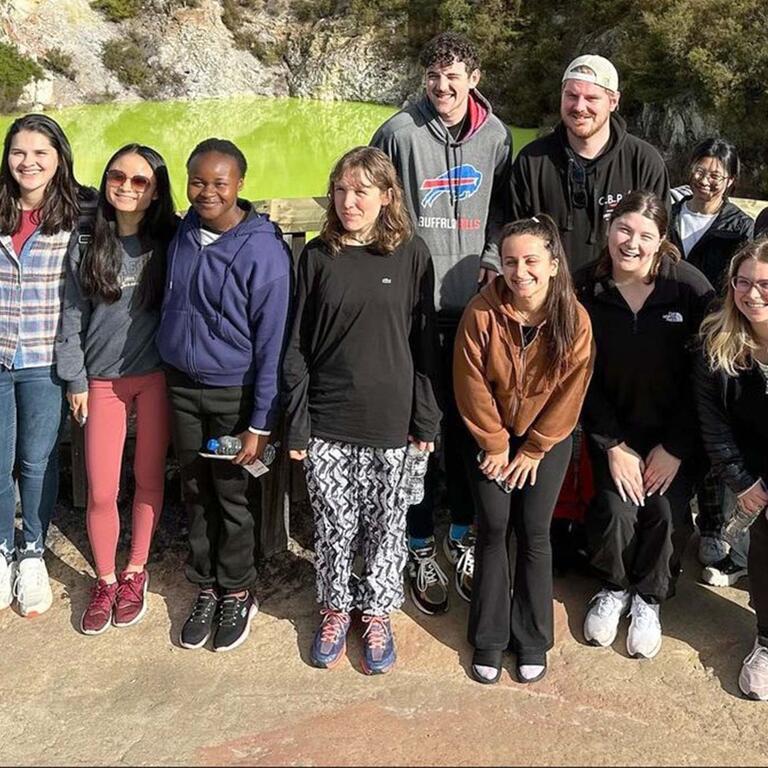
(134,697)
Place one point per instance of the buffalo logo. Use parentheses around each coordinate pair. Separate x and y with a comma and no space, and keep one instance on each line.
(461,180)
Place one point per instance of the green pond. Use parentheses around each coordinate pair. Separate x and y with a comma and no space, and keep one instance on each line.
(290,144)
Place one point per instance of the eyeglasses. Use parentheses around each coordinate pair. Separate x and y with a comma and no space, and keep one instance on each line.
(117,178)
(702,174)
(579,189)
(744,285)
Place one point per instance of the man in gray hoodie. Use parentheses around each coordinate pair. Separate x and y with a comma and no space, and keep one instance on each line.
(453,156)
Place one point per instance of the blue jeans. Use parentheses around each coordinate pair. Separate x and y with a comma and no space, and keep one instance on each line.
(31,407)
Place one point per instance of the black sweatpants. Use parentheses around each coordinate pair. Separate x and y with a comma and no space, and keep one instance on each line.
(758,572)
(523,622)
(638,548)
(222,499)
(455,444)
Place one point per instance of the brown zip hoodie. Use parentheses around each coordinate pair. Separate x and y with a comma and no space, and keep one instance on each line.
(502,388)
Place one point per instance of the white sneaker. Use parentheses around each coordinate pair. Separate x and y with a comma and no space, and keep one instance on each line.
(604,612)
(712,549)
(32,587)
(644,636)
(7,575)
(753,678)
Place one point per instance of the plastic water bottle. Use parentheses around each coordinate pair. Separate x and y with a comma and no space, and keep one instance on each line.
(741,520)
(413,473)
(228,445)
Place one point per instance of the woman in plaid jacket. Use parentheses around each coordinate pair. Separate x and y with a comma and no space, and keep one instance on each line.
(39,207)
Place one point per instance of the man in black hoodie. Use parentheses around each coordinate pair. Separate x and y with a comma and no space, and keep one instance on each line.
(580,171)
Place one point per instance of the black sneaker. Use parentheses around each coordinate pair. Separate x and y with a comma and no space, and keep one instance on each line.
(724,573)
(427,584)
(198,627)
(461,554)
(235,616)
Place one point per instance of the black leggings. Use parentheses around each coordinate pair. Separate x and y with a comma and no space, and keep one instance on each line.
(758,572)
(638,548)
(523,622)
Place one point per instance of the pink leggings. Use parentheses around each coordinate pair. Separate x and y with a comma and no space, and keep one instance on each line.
(109,403)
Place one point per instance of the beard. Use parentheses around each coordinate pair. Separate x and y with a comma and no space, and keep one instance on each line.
(588,129)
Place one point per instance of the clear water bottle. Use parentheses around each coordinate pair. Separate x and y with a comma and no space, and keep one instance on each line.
(740,522)
(413,473)
(228,445)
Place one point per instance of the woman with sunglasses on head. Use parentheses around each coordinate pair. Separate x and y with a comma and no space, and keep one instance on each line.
(522,362)
(40,202)
(646,307)
(708,229)
(106,353)
(732,396)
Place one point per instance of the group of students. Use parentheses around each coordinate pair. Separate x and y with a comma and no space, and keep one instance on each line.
(196,325)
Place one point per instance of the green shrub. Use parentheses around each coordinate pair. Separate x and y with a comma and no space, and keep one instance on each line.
(117,10)
(127,58)
(16,71)
(312,10)
(58,61)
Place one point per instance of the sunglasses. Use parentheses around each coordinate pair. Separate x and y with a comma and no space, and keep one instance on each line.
(117,178)
(579,187)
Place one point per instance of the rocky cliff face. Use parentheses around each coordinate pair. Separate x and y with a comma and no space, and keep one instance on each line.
(199,56)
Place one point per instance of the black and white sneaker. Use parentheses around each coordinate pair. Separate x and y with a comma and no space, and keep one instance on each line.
(234,621)
(461,554)
(427,583)
(199,626)
(724,573)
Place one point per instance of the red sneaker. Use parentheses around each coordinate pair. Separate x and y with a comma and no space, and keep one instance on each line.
(131,602)
(98,614)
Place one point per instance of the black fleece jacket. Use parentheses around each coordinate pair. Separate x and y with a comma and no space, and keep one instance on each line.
(733,413)
(642,390)
(543,181)
(725,235)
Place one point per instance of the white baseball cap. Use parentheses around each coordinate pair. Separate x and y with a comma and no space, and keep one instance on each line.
(600,71)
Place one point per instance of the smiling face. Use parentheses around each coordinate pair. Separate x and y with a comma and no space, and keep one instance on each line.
(750,300)
(585,107)
(633,241)
(709,180)
(32,162)
(528,269)
(131,185)
(448,89)
(213,184)
(358,202)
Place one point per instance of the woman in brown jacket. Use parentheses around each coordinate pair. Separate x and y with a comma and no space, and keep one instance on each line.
(522,363)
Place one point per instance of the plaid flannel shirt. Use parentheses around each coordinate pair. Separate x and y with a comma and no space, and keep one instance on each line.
(31,297)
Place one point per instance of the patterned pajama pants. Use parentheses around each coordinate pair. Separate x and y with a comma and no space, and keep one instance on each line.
(357,501)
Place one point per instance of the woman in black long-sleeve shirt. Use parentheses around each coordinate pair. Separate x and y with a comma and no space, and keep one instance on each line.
(732,398)
(358,378)
(646,307)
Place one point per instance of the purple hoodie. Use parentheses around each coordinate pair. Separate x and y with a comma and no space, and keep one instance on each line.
(225,309)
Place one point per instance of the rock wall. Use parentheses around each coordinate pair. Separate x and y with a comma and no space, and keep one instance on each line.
(329,59)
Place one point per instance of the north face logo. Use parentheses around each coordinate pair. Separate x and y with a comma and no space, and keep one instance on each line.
(464,180)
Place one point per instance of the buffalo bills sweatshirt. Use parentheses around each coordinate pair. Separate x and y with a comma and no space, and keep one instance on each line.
(225,309)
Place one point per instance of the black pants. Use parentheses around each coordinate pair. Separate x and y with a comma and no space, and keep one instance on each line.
(455,446)
(638,548)
(758,572)
(712,511)
(524,622)
(222,499)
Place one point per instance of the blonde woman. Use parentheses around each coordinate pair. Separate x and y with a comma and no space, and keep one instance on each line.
(732,397)
(358,382)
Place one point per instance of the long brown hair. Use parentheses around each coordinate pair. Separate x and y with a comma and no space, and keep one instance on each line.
(726,334)
(560,305)
(393,227)
(646,204)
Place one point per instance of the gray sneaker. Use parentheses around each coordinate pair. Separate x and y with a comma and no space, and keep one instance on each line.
(712,549)
(603,615)
(753,678)
(644,636)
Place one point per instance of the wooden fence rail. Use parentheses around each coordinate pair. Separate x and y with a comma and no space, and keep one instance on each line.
(284,483)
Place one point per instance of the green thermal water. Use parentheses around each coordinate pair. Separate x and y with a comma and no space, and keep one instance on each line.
(290,144)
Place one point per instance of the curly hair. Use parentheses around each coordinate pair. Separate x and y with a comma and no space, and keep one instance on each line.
(448,47)
(393,227)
